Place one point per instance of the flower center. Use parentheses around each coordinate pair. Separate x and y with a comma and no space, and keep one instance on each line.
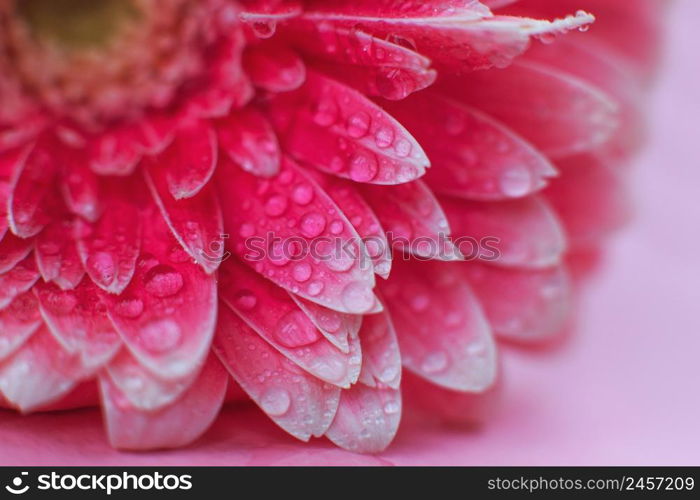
(100,62)
(76,24)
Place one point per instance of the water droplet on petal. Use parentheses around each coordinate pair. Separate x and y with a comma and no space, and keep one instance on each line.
(312,224)
(245,300)
(275,401)
(326,113)
(434,362)
(384,137)
(163,281)
(315,288)
(363,167)
(357,297)
(358,125)
(392,407)
(129,308)
(516,182)
(302,272)
(161,335)
(102,266)
(276,205)
(303,194)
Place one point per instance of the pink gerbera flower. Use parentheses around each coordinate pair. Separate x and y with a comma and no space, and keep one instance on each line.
(177,176)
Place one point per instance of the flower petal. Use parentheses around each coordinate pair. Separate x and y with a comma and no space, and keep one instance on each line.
(291,232)
(274,316)
(522,305)
(443,333)
(57,255)
(299,403)
(338,328)
(248,139)
(413,219)
(273,66)
(337,129)
(13,250)
(557,112)
(173,426)
(167,314)
(473,155)
(367,419)
(523,233)
(381,359)
(17,280)
(18,321)
(379,67)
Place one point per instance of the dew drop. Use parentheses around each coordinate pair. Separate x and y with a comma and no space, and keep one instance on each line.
(303,194)
(315,288)
(129,308)
(363,167)
(301,272)
(392,407)
(245,300)
(312,224)
(161,335)
(163,281)
(276,205)
(403,148)
(434,362)
(358,125)
(275,401)
(384,137)
(326,113)
(102,267)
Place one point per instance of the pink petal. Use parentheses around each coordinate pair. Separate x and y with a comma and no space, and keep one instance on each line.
(116,152)
(299,403)
(591,199)
(189,162)
(379,67)
(443,333)
(413,219)
(167,314)
(173,426)
(31,190)
(108,248)
(473,155)
(18,321)
(558,113)
(367,419)
(381,359)
(287,228)
(57,255)
(196,222)
(274,67)
(461,37)
(17,280)
(338,130)
(362,218)
(522,233)
(335,326)
(156,132)
(248,139)
(80,185)
(78,320)
(141,388)
(274,316)
(522,305)
(40,372)
(13,250)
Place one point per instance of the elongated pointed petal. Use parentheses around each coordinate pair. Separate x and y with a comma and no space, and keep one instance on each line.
(78,320)
(57,255)
(524,233)
(367,419)
(108,248)
(381,359)
(336,129)
(249,140)
(17,280)
(40,372)
(18,321)
(166,316)
(474,156)
(413,219)
(196,222)
(522,305)
(298,402)
(272,313)
(274,67)
(443,333)
(301,242)
(141,388)
(379,67)
(557,112)
(172,426)
(338,328)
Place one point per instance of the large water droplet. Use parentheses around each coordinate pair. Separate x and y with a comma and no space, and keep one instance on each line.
(301,272)
(312,224)
(276,205)
(434,362)
(303,194)
(392,407)
(358,124)
(384,137)
(245,300)
(363,167)
(275,401)
(326,113)
(516,182)
(161,335)
(163,281)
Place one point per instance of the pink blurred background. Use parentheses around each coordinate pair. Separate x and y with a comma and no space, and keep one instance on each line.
(625,389)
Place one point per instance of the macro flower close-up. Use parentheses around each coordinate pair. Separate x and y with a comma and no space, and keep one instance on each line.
(339,212)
